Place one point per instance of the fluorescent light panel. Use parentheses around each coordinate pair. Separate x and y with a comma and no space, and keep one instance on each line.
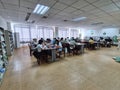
(79,19)
(41,9)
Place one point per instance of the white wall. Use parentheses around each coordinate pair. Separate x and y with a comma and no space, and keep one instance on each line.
(3,23)
(89,33)
(110,32)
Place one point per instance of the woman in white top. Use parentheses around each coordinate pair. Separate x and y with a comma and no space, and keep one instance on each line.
(37,52)
(59,45)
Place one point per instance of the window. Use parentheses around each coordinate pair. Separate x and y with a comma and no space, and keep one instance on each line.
(27,32)
(33,32)
(45,32)
(48,32)
(74,33)
(63,32)
(23,31)
(40,32)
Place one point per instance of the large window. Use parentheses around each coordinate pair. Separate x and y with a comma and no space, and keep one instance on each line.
(40,32)
(63,32)
(33,31)
(74,33)
(45,32)
(27,32)
(23,31)
(48,32)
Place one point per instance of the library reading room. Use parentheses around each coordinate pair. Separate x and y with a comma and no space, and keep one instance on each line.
(59,44)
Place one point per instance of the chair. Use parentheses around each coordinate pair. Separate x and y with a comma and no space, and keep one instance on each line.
(44,55)
(63,48)
(77,49)
(72,49)
(91,46)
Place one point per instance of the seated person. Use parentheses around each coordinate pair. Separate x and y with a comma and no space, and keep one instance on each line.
(34,42)
(37,52)
(59,46)
(53,41)
(72,42)
(32,45)
(102,41)
(91,43)
(108,42)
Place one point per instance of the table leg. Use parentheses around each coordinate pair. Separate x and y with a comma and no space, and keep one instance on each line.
(82,48)
(53,55)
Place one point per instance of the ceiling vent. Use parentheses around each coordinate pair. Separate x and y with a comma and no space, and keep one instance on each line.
(97,23)
(27,16)
(65,20)
(44,17)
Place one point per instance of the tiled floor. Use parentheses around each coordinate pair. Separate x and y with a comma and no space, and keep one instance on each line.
(94,70)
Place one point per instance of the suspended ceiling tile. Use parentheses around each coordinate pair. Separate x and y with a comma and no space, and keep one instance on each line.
(47,2)
(69,10)
(22,14)
(77,12)
(101,3)
(12,14)
(80,4)
(96,11)
(92,1)
(110,8)
(100,13)
(11,7)
(32,1)
(58,16)
(64,14)
(92,17)
(27,4)
(115,13)
(15,2)
(3,13)
(53,11)
(103,15)
(59,6)
(68,2)
(116,0)
(24,9)
(88,8)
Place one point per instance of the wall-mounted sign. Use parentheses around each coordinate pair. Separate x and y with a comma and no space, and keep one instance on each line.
(104,33)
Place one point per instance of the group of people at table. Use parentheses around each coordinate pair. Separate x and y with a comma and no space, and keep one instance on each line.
(43,47)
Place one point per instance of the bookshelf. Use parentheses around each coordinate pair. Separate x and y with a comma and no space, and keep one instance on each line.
(9,42)
(3,55)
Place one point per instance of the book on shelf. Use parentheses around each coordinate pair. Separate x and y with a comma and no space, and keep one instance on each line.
(3,54)
(1,33)
(2,38)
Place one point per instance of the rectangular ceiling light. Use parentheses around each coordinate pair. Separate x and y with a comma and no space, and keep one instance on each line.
(41,9)
(79,19)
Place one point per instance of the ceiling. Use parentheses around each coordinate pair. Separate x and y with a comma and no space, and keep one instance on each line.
(99,13)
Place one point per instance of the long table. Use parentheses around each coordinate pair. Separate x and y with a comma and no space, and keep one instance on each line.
(81,46)
(53,54)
